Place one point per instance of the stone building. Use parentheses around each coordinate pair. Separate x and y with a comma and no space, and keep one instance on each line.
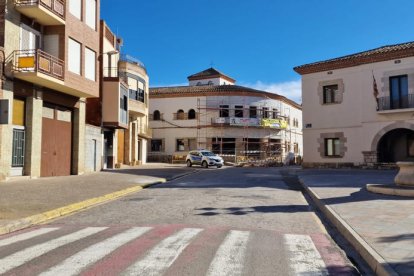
(357,109)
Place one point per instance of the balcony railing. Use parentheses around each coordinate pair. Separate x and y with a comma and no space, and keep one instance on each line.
(38,61)
(110,72)
(55,6)
(137,95)
(152,118)
(387,103)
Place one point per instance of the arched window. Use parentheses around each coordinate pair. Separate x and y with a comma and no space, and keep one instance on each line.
(199,83)
(191,114)
(210,83)
(180,114)
(156,116)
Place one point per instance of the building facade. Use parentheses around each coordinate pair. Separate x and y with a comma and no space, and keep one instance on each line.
(49,49)
(121,111)
(239,123)
(357,109)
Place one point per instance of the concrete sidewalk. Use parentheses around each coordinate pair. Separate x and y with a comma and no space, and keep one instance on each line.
(25,202)
(380,227)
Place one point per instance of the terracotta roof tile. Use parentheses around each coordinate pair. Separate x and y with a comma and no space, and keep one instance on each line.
(384,53)
(208,73)
(215,90)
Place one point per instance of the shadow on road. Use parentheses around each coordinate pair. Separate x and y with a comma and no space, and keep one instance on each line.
(240,211)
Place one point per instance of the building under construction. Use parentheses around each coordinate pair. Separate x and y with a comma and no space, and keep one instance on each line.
(239,123)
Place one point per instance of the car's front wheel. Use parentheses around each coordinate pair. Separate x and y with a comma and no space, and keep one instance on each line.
(189,163)
(204,164)
(218,166)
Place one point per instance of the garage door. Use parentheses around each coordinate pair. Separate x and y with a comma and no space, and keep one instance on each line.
(56,141)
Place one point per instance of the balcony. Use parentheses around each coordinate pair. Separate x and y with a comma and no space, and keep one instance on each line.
(137,107)
(145,131)
(250,122)
(403,104)
(42,69)
(46,12)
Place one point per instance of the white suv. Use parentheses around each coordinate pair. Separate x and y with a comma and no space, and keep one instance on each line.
(204,158)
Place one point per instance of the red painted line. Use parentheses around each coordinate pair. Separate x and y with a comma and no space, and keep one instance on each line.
(334,260)
(211,238)
(124,256)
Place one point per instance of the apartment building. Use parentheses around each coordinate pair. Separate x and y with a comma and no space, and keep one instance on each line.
(237,122)
(50,51)
(358,109)
(121,111)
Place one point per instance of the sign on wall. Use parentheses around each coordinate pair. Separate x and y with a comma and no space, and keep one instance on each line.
(274,123)
(244,122)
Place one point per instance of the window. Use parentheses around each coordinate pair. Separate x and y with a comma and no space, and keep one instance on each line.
(180,114)
(180,145)
(123,107)
(253,112)
(238,111)
(296,148)
(90,64)
(210,83)
(75,8)
(199,83)
(156,115)
(224,111)
(329,92)
(74,56)
(265,111)
(274,113)
(399,92)
(90,13)
(191,114)
(332,147)
(156,145)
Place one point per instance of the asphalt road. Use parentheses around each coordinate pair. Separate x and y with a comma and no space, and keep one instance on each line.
(229,221)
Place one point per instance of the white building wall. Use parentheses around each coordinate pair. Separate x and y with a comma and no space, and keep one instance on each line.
(169,129)
(212,81)
(356,116)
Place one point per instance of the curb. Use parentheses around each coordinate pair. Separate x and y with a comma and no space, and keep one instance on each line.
(370,256)
(71,208)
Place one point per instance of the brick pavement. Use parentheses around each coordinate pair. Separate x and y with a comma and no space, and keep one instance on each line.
(386,223)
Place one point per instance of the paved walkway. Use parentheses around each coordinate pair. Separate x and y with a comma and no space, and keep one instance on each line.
(386,223)
(21,198)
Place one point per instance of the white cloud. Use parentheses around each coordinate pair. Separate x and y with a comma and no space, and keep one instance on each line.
(289,89)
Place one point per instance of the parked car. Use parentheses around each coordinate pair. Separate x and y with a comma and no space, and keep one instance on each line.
(204,158)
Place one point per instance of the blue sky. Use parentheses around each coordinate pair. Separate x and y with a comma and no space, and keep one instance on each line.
(256,42)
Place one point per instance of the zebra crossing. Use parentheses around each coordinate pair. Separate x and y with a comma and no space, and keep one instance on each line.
(155,250)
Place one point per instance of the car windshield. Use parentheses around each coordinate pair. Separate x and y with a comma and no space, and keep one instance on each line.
(207,153)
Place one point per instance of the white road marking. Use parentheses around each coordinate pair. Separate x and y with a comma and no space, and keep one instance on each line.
(230,256)
(304,257)
(28,254)
(164,254)
(26,236)
(78,262)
